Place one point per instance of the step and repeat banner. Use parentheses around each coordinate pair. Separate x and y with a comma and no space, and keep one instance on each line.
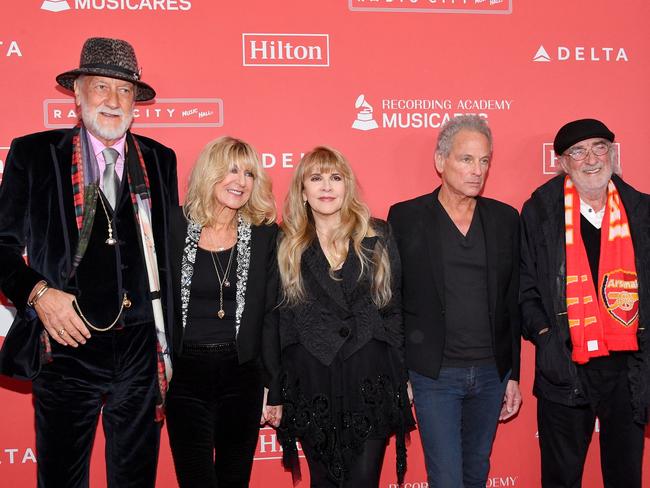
(373,78)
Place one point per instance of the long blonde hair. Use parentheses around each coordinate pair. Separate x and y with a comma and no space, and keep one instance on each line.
(215,161)
(299,229)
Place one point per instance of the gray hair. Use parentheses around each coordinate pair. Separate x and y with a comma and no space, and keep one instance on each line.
(453,126)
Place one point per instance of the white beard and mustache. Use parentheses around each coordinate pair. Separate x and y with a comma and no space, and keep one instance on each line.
(91,116)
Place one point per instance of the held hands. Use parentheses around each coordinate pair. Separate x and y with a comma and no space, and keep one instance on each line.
(54,308)
(271,414)
(409,392)
(511,401)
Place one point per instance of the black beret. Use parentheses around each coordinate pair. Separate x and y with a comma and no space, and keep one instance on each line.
(579,130)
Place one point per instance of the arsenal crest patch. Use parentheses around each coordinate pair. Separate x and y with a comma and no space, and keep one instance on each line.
(620,293)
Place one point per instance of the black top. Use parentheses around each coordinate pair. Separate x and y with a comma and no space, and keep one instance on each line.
(468,336)
(203,324)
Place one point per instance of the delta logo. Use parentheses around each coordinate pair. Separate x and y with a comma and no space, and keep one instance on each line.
(581,53)
(285,50)
(10,49)
(551,165)
(164,112)
(433,6)
(154,5)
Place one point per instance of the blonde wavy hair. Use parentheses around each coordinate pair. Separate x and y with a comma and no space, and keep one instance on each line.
(213,164)
(299,230)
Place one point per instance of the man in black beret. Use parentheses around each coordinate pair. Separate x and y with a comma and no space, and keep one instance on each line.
(90,205)
(585,304)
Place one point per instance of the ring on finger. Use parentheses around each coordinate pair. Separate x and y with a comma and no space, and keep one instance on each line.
(61,332)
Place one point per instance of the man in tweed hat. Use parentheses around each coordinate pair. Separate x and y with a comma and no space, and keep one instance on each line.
(90,205)
(585,304)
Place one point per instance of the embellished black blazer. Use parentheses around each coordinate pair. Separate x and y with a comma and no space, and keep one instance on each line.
(341,316)
(257,284)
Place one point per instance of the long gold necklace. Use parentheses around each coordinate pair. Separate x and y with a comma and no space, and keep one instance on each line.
(110,241)
(222,278)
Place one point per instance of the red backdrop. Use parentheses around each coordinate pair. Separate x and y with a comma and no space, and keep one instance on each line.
(287,75)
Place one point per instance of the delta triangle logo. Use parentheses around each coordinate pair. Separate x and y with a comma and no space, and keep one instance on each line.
(55,5)
(541,56)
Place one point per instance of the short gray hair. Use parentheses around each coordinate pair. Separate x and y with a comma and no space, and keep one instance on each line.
(453,126)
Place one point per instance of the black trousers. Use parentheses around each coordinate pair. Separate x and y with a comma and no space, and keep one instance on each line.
(113,373)
(365,472)
(214,406)
(565,434)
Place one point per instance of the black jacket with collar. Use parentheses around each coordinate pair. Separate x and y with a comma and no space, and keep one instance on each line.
(257,335)
(543,294)
(340,316)
(37,213)
(415,225)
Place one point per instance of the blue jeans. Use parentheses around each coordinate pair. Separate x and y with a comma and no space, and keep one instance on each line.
(457,416)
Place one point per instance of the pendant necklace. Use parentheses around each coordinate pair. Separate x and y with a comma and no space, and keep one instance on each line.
(222,277)
(110,241)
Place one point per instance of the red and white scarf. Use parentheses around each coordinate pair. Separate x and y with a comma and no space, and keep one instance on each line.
(603,317)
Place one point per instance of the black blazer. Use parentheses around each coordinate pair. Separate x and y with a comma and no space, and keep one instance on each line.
(341,316)
(37,212)
(415,226)
(257,335)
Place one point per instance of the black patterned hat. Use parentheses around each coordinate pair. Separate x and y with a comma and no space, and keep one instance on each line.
(113,58)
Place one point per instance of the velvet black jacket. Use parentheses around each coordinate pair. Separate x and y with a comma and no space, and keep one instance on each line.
(415,225)
(37,212)
(257,335)
(340,317)
(543,294)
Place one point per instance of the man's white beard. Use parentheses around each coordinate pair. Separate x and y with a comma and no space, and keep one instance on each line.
(91,121)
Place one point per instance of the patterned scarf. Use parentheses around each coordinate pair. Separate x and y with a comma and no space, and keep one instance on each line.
(607,320)
(85,188)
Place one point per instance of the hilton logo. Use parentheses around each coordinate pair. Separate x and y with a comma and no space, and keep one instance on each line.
(268,446)
(551,165)
(286,50)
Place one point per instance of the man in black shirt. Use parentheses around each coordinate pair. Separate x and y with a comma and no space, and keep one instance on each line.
(584,299)
(460,279)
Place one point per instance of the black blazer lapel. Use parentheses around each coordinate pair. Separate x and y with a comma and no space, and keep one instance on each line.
(430,225)
(492,240)
(62,164)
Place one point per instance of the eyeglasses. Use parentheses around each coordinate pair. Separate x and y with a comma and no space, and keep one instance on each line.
(580,153)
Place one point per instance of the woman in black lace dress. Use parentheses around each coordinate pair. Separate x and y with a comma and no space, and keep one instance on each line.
(344,383)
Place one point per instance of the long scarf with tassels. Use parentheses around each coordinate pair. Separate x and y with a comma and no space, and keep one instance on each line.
(604,316)
(85,187)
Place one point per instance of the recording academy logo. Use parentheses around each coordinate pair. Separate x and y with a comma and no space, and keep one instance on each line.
(55,5)
(154,5)
(164,112)
(420,113)
(285,50)
(365,119)
(433,6)
(501,481)
(590,54)
(551,165)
